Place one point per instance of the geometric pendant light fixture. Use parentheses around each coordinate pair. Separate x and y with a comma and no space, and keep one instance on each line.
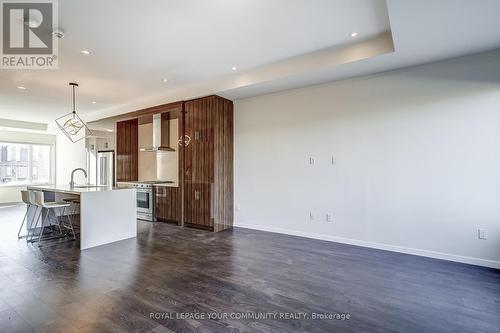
(71,124)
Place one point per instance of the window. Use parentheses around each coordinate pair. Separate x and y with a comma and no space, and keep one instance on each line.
(22,164)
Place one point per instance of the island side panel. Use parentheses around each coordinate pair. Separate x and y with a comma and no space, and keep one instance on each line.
(107,217)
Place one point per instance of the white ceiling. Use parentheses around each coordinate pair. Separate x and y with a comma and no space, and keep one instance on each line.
(194,43)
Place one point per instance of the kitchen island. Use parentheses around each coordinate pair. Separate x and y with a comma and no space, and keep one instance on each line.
(107,214)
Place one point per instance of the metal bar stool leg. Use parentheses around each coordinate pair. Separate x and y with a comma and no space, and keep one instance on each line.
(28,198)
(70,215)
(24,220)
(70,225)
(59,220)
(32,228)
(42,227)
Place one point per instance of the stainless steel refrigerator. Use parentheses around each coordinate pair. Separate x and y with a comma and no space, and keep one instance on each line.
(106,168)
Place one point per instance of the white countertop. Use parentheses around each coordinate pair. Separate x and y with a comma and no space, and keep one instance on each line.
(76,190)
(166,185)
(158,184)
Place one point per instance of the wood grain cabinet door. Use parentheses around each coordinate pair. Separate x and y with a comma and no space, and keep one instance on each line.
(127,150)
(198,205)
(167,204)
(199,162)
(199,154)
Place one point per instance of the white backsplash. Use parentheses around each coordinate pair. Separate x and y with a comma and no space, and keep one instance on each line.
(158,165)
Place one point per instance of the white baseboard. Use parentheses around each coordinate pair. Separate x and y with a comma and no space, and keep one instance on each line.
(380,246)
(10,204)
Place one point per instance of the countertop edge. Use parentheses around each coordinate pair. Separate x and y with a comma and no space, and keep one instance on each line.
(76,191)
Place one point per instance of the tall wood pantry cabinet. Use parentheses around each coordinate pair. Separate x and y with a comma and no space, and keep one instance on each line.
(208,163)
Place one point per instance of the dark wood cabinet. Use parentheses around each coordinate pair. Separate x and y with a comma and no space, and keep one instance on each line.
(208,163)
(168,204)
(204,198)
(127,150)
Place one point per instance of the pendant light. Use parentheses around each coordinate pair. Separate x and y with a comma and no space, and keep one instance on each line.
(71,124)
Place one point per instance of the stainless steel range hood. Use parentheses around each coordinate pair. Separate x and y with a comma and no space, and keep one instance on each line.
(161,134)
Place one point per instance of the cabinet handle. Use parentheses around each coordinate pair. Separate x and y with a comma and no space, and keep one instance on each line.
(196,195)
(184,140)
(197,135)
(158,195)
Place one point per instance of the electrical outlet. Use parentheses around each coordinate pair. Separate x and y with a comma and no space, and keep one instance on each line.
(482,233)
(237,208)
(311,215)
(329,217)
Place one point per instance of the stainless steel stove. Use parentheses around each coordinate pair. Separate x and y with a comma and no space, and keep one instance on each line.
(145,197)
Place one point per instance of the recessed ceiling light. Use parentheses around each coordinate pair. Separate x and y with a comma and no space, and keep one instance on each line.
(21,87)
(86,52)
(233,68)
(165,80)
(354,34)
(94,102)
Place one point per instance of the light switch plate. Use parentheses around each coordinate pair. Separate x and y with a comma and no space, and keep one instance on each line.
(482,233)
(329,217)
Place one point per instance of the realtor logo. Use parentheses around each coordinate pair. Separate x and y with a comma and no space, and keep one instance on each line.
(27,38)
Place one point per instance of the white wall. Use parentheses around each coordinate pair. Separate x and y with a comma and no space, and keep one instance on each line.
(417,160)
(69,156)
(159,165)
(167,163)
(10,194)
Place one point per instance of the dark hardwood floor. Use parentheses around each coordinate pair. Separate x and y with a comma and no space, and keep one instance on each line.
(170,270)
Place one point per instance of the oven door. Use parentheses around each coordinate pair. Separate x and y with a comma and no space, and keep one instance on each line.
(145,201)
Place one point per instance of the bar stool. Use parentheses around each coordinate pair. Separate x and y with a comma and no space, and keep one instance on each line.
(50,207)
(28,199)
(75,203)
(36,216)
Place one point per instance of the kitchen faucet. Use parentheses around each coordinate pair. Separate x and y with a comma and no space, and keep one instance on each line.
(72,184)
